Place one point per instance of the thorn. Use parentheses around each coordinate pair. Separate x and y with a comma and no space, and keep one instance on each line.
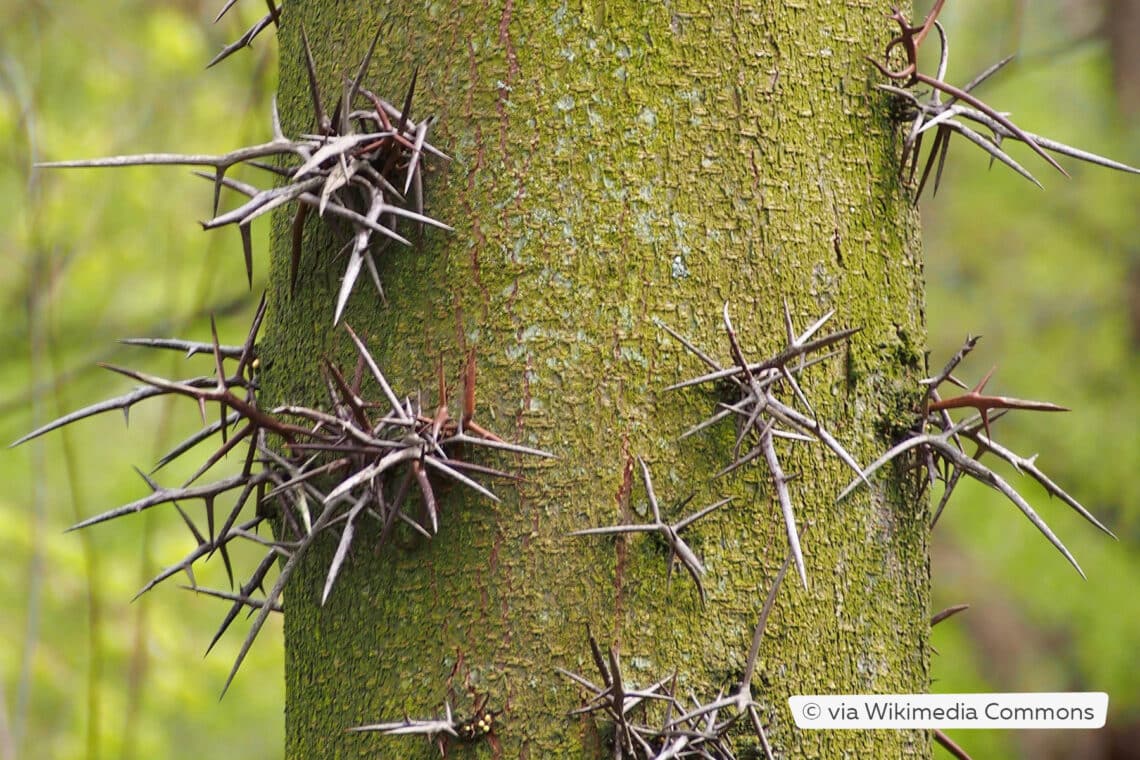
(948,613)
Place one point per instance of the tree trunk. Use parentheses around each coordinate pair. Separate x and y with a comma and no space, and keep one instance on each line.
(617,163)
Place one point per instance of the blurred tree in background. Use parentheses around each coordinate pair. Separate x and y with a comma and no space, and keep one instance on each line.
(1051,279)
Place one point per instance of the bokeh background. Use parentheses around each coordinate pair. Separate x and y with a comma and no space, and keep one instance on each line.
(1050,279)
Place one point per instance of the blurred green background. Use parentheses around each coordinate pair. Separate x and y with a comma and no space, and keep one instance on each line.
(1050,279)
(91,256)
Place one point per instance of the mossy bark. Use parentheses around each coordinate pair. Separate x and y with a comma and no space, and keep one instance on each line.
(616,163)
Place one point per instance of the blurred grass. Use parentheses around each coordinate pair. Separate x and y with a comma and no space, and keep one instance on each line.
(91,256)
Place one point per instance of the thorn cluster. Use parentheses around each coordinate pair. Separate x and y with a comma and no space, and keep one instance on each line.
(672,728)
(379,456)
(272,17)
(374,450)
(481,725)
(939,443)
(926,111)
(761,413)
(678,549)
(364,166)
(690,730)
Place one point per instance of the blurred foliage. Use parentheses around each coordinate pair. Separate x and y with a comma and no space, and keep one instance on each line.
(1051,279)
(90,257)
(1045,277)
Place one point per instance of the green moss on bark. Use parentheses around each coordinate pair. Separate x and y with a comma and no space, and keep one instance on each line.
(615,163)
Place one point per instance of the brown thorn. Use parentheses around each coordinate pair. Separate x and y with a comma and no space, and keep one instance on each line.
(947,613)
(469,392)
(298,232)
(950,746)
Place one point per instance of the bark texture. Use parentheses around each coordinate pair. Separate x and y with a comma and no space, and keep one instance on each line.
(616,162)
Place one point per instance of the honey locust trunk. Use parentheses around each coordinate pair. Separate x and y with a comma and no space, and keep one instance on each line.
(615,164)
